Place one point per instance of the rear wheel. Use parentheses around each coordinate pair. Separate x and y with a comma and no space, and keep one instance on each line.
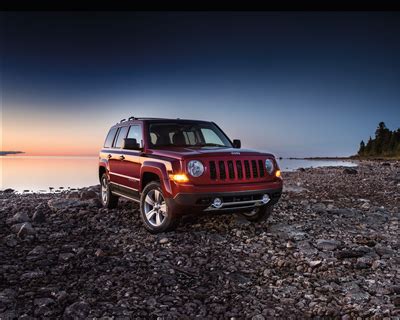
(154,211)
(258,214)
(108,200)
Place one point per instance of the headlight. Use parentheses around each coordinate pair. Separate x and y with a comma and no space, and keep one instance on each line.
(269,166)
(195,168)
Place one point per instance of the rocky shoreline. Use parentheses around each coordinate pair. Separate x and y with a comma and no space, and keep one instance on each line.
(331,249)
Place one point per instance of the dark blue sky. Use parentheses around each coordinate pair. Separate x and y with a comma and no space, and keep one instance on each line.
(294,83)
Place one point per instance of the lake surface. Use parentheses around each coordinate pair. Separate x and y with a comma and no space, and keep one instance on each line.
(25,173)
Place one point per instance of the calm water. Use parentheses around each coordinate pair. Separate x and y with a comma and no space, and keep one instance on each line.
(40,173)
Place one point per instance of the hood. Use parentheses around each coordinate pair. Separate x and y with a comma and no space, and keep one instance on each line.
(181,153)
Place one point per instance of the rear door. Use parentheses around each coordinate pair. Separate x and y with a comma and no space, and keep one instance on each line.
(116,155)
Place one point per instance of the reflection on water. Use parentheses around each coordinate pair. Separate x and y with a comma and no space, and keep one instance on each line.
(41,173)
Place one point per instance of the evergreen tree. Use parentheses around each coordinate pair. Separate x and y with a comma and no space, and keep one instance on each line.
(385,143)
(362,148)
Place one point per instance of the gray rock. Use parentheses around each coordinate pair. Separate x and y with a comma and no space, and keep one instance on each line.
(88,194)
(77,310)
(11,240)
(327,245)
(319,207)
(22,229)
(65,256)
(38,250)
(8,190)
(19,217)
(59,204)
(350,171)
(383,251)
(32,275)
(73,195)
(43,302)
(39,216)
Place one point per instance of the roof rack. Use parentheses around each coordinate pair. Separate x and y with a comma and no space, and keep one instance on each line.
(122,120)
(131,118)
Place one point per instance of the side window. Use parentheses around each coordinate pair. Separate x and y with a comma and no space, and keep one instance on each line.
(110,138)
(119,141)
(135,132)
(210,136)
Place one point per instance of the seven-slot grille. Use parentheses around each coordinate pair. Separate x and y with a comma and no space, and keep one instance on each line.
(236,169)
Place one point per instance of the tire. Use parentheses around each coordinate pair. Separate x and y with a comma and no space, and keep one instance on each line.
(108,200)
(259,214)
(157,217)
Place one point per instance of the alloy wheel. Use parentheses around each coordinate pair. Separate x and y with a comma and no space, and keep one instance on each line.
(104,189)
(155,208)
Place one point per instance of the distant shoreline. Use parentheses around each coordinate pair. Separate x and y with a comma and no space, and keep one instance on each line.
(351,158)
(4,153)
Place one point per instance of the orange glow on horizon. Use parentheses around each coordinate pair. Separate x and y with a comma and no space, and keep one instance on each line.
(51,134)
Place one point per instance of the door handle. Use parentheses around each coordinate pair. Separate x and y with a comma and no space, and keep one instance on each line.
(121,157)
(109,156)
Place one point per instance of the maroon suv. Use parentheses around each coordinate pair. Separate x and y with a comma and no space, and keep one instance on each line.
(174,167)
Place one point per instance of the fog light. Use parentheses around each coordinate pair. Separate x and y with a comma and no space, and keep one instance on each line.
(217,203)
(278,173)
(265,198)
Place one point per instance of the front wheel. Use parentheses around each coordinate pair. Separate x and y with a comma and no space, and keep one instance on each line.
(258,214)
(108,200)
(154,211)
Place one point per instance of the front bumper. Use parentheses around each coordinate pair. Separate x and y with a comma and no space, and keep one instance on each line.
(232,201)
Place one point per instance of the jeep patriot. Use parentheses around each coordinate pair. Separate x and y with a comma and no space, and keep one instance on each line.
(173,167)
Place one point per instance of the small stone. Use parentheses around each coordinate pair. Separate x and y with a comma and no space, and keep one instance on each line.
(99,253)
(290,244)
(365,206)
(315,263)
(163,240)
(65,256)
(258,317)
(77,310)
(396,301)
(43,302)
(327,244)
(378,264)
(38,250)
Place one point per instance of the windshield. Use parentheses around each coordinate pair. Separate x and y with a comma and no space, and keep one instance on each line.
(180,134)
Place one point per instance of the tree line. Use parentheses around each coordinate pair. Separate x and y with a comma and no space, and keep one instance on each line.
(385,144)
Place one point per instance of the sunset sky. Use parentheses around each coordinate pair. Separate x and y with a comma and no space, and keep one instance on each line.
(295,84)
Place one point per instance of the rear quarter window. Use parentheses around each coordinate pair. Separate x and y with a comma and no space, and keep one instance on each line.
(110,138)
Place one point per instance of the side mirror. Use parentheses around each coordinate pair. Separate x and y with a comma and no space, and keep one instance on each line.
(131,144)
(237,144)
